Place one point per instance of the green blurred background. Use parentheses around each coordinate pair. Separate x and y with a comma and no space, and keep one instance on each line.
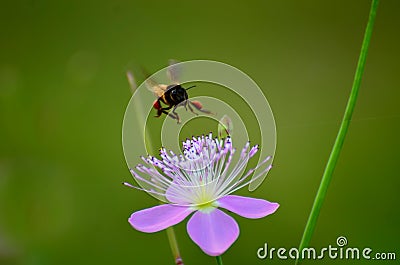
(63,93)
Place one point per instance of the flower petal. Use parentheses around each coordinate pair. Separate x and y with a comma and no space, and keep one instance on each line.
(248,207)
(214,232)
(158,218)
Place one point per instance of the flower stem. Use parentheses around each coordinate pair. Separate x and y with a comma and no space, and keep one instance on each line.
(327,176)
(219,260)
(174,245)
(140,115)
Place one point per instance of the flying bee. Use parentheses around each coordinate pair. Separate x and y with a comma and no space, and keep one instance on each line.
(173,95)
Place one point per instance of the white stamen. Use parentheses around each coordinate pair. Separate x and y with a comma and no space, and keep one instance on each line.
(201,175)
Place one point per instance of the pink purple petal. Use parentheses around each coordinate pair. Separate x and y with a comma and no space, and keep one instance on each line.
(158,218)
(213,232)
(248,207)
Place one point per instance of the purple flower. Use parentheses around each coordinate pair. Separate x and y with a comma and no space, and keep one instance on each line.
(200,181)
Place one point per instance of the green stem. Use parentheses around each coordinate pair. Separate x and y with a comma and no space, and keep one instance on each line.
(174,245)
(146,136)
(327,176)
(219,260)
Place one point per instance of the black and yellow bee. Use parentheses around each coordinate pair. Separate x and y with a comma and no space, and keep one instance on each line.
(172,96)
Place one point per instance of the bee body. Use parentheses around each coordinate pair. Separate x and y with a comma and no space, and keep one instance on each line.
(172,96)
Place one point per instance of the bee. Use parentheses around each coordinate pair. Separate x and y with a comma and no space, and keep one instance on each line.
(172,96)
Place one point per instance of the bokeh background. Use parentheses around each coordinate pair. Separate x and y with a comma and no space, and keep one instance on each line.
(63,93)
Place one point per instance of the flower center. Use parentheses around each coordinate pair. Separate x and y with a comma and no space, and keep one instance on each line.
(206,207)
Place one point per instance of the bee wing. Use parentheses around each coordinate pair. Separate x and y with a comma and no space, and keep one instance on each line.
(153,86)
(157,89)
(173,71)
